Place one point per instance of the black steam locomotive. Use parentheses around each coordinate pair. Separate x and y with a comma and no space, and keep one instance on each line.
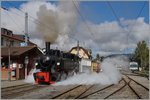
(55,65)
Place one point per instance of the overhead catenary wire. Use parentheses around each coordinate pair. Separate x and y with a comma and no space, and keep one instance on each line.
(114,13)
(83,19)
(34,20)
(135,21)
(12,19)
(130,30)
(118,17)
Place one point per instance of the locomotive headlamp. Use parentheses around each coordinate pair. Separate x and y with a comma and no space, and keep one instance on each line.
(47,58)
(36,64)
(58,63)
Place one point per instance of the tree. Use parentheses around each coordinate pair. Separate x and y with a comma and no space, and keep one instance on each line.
(97,57)
(141,54)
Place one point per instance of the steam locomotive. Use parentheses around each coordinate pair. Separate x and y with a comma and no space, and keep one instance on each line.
(55,65)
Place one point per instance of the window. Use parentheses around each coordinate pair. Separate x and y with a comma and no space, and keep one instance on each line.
(12,43)
(2,30)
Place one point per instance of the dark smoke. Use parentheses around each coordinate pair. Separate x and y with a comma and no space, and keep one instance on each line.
(55,23)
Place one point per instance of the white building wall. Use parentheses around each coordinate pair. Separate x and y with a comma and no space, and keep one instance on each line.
(85,66)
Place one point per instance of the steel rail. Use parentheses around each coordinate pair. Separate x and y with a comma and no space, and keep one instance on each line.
(117,90)
(138,83)
(66,92)
(21,91)
(134,90)
(96,91)
(136,74)
(99,90)
(129,84)
(83,92)
(14,87)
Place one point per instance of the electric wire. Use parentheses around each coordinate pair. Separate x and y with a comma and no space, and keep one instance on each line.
(12,19)
(135,22)
(36,21)
(114,13)
(83,19)
(130,30)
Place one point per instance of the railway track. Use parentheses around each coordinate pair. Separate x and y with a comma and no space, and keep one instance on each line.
(73,93)
(79,91)
(14,91)
(104,90)
(138,83)
(6,89)
(84,91)
(135,74)
(139,90)
(117,90)
(128,83)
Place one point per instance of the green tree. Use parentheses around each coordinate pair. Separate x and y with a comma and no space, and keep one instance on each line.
(141,54)
(97,57)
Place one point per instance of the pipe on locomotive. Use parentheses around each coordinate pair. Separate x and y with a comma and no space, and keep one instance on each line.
(47,47)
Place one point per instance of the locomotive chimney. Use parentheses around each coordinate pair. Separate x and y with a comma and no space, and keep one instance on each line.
(47,47)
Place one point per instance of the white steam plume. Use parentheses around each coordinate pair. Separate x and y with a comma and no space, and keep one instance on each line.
(109,75)
(30,78)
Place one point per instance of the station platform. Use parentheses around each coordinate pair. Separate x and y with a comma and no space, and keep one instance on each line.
(6,83)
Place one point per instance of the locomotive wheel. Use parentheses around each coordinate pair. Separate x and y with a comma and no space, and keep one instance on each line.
(54,78)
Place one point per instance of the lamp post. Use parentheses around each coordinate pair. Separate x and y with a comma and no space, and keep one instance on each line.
(26,63)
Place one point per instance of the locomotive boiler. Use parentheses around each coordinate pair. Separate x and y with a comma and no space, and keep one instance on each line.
(55,65)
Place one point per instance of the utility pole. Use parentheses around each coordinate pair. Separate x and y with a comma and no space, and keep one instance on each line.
(26,28)
(26,42)
(26,65)
(78,48)
(9,69)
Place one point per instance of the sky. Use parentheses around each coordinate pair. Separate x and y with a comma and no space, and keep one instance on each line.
(104,27)
(99,11)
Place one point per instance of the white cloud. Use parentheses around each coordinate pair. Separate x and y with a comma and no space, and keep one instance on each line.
(107,36)
(110,36)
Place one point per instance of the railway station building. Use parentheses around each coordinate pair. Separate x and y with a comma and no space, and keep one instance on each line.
(15,56)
